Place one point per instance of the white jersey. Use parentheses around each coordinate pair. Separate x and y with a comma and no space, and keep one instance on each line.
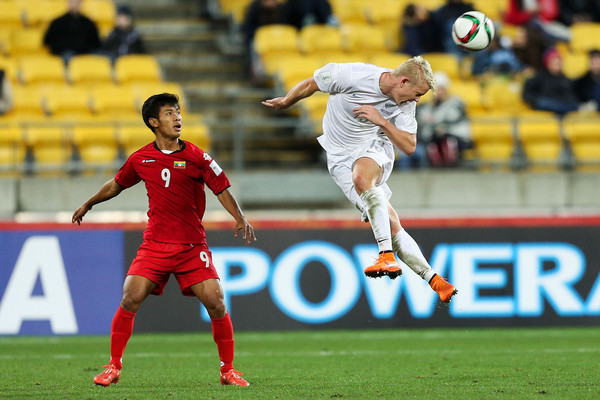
(351,85)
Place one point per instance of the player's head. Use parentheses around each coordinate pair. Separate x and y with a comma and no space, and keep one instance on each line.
(414,78)
(153,105)
(74,6)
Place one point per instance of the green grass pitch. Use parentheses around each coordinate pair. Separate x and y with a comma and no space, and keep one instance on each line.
(541,363)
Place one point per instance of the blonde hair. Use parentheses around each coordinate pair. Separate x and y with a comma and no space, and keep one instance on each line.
(416,69)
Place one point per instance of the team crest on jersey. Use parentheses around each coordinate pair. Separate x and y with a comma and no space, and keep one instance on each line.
(179,164)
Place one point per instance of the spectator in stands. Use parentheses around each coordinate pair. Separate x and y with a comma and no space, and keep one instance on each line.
(542,13)
(301,13)
(496,60)
(444,18)
(124,38)
(587,87)
(529,46)
(549,89)
(574,11)
(259,13)
(72,33)
(444,126)
(418,32)
(6,99)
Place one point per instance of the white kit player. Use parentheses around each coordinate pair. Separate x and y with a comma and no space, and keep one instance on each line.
(370,110)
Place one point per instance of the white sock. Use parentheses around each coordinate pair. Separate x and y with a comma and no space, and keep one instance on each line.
(376,208)
(409,252)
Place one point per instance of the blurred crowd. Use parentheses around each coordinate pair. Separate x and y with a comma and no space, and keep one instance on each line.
(532,37)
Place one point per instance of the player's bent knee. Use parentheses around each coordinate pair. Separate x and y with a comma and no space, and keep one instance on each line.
(216,309)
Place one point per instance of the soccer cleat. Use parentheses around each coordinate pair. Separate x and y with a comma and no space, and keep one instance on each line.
(444,289)
(386,265)
(110,375)
(232,377)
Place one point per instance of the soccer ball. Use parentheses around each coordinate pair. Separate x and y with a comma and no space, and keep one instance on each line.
(473,31)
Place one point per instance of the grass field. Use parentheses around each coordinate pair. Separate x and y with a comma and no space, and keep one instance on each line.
(544,363)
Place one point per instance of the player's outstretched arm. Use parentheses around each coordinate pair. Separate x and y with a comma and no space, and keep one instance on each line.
(109,190)
(241,224)
(302,90)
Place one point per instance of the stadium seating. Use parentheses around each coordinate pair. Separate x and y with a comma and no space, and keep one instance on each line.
(133,137)
(197,134)
(137,68)
(320,39)
(493,140)
(541,141)
(41,69)
(584,36)
(89,70)
(114,102)
(12,149)
(363,39)
(10,17)
(96,146)
(69,103)
(39,13)
(389,60)
(51,148)
(349,11)
(292,70)
(583,136)
(28,41)
(445,62)
(102,12)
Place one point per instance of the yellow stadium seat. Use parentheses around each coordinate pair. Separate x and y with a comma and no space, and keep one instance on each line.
(444,62)
(235,8)
(276,39)
(470,92)
(137,68)
(384,12)
(28,41)
(197,134)
(584,36)
(102,12)
(504,97)
(576,64)
(389,60)
(112,101)
(39,13)
(10,67)
(10,16)
(583,135)
(541,140)
(320,39)
(314,108)
(69,103)
(12,148)
(29,100)
(143,90)
(292,70)
(363,39)
(51,147)
(349,11)
(493,140)
(494,9)
(41,69)
(345,58)
(88,69)
(132,138)
(96,146)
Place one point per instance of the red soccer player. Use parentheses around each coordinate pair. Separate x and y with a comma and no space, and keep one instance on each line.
(175,173)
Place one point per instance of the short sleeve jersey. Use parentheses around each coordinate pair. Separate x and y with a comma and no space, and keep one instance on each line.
(351,85)
(175,186)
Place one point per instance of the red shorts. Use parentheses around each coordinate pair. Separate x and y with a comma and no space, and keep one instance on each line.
(190,264)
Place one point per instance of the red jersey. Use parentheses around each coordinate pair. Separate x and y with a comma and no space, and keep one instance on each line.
(175,186)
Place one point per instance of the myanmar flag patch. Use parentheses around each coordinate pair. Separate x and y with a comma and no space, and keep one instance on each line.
(179,164)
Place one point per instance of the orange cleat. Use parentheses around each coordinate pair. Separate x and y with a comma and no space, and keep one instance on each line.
(110,375)
(232,377)
(444,289)
(386,265)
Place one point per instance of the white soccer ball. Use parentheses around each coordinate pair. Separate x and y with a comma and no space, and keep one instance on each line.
(473,31)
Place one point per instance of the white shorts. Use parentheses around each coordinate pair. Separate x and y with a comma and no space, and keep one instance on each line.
(340,167)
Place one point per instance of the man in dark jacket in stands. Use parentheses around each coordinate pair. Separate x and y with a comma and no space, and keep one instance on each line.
(72,33)
(587,87)
(549,89)
(124,38)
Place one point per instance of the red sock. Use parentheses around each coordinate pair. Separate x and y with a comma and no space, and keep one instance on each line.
(121,330)
(223,335)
